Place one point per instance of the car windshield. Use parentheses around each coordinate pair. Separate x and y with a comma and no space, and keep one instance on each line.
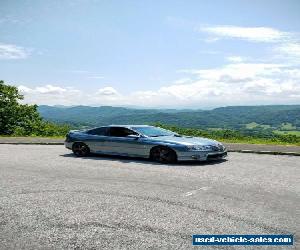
(153,131)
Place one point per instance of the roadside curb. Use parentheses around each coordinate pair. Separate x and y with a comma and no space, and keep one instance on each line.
(265,152)
(234,150)
(33,143)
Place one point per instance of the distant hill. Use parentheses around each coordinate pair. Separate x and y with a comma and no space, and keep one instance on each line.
(233,117)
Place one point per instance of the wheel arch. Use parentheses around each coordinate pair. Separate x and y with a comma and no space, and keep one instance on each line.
(162,146)
(81,142)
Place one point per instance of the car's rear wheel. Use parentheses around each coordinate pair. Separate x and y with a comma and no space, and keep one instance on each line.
(80,149)
(163,155)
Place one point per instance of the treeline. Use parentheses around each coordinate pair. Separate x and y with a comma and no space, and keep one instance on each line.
(18,119)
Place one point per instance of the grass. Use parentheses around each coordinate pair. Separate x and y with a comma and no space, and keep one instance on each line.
(232,136)
(253,125)
(292,132)
(258,141)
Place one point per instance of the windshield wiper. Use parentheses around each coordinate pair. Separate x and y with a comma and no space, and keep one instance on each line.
(177,135)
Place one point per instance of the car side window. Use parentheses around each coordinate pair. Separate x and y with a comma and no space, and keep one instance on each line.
(121,132)
(98,131)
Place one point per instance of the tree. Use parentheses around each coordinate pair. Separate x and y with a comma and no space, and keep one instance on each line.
(15,116)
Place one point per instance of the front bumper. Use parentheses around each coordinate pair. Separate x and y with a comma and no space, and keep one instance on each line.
(201,155)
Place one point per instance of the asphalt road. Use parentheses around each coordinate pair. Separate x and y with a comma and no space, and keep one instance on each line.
(51,199)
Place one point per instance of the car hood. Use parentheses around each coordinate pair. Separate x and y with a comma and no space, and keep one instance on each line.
(185,140)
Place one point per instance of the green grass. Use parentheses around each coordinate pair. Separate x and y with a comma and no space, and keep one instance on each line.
(292,132)
(233,136)
(253,125)
(258,141)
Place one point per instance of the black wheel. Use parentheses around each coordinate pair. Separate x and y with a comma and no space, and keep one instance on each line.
(80,149)
(163,155)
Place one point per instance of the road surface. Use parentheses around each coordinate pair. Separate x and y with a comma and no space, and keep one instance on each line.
(51,199)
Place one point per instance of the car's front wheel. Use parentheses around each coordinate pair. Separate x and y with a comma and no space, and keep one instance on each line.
(163,155)
(80,149)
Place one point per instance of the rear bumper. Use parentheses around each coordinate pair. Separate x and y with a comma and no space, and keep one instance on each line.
(201,156)
(68,144)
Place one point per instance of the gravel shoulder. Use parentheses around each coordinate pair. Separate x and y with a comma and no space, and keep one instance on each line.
(50,199)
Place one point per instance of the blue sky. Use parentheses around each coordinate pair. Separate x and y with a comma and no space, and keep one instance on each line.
(152,53)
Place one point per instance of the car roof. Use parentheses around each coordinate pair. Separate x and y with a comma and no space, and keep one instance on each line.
(121,126)
(127,126)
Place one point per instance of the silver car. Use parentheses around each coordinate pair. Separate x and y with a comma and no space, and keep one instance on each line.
(158,144)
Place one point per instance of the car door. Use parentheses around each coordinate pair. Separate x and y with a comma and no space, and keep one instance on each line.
(96,138)
(120,142)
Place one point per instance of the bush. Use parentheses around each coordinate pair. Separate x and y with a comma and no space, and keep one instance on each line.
(22,119)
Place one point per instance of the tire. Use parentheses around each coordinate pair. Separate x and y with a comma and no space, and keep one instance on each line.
(80,149)
(163,155)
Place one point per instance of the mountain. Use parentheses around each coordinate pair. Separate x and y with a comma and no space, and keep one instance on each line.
(233,117)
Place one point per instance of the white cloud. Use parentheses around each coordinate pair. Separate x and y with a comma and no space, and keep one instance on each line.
(11,51)
(237,71)
(107,91)
(232,84)
(292,49)
(50,94)
(255,34)
(43,90)
(235,59)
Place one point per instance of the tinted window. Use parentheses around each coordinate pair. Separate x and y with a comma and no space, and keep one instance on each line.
(98,131)
(121,132)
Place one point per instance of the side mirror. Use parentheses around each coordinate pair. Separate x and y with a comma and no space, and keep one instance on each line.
(134,136)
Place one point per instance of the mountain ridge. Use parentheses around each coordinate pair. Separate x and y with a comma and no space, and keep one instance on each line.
(232,117)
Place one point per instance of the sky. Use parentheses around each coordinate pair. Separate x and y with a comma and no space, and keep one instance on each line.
(163,54)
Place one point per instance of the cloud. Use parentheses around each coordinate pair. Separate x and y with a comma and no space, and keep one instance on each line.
(11,51)
(292,49)
(254,34)
(107,91)
(51,94)
(43,90)
(232,84)
(235,59)
(237,71)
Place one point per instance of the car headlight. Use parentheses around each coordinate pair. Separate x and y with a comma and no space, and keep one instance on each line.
(199,148)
